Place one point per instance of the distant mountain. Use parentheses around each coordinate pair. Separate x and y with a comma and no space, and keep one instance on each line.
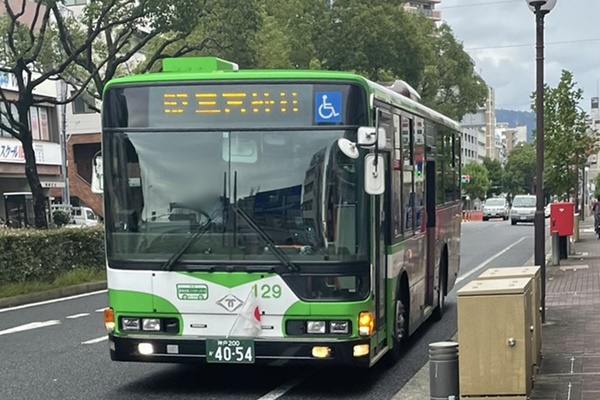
(518,118)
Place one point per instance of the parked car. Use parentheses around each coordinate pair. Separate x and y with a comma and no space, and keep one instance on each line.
(523,209)
(495,208)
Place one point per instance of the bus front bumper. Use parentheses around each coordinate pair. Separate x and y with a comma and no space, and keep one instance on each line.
(267,352)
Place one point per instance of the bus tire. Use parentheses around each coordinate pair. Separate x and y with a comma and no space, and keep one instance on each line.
(438,313)
(400,333)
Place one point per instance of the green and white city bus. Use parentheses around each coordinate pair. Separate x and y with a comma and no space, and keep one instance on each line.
(274,216)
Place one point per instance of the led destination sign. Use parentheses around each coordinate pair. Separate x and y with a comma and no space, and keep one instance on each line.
(233,105)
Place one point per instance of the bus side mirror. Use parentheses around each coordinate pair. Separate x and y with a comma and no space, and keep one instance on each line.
(374,174)
(368,136)
(97,175)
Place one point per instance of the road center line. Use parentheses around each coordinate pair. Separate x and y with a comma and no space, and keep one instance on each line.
(283,389)
(41,303)
(97,340)
(78,315)
(489,260)
(101,309)
(30,326)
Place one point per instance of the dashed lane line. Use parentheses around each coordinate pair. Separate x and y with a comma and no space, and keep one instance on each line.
(97,340)
(75,316)
(283,389)
(30,326)
(101,309)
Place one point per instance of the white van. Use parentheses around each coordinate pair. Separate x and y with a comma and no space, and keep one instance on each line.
(522,209)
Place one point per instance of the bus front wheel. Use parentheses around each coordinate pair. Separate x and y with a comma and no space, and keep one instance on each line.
(400,333)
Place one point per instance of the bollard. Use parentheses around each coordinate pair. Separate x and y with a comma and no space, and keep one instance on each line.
(443,371)
(555,249)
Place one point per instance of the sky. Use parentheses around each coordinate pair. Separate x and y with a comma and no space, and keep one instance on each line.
(500,36)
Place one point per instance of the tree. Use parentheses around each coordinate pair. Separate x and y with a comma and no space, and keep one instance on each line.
(377,39)
(381,41)
(519,175)
(479,182)
(450,84)
(289,32)
(568,141)
(32,56)
(136,35)
(495,175)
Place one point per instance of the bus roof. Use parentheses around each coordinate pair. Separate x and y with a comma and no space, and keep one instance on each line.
(214,69)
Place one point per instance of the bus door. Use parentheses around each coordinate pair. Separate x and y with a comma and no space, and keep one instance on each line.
(431,200)
(380,217)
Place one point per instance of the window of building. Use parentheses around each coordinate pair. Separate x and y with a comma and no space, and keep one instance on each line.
(80,106)
(75,2)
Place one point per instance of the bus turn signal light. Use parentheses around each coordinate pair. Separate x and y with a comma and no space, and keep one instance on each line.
(109,319)
(365,323)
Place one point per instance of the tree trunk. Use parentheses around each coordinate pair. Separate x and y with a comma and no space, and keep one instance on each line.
(39,201)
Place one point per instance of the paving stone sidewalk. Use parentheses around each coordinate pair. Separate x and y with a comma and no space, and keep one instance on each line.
(570,368)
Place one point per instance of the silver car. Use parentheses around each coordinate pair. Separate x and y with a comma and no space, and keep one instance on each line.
(523,209)
(495,208)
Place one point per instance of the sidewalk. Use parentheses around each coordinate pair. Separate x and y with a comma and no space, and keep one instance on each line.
(570,366)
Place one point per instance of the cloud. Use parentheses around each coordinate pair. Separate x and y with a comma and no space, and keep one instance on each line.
(500,37)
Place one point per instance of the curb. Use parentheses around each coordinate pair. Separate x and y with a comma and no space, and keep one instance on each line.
(51,294)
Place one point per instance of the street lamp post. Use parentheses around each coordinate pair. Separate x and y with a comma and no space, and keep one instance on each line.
(540,8)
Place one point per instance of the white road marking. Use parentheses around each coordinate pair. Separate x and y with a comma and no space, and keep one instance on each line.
(78,315)
(41,303)
(572,363)
(101,309)
(489,260)
(283,389)
(30,326)
(97,340)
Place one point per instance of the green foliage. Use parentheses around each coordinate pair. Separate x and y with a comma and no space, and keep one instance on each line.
(377,39)
(60,218)
(450,84)
(479,182)
(597,186)
(74,277)
(519,175)
(568,140)
(495,175)
(34,255)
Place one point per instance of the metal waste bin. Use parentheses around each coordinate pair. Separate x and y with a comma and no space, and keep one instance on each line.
(494,333)
(534,273)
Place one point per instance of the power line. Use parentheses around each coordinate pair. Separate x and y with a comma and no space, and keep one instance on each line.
(487,3)
(531,44)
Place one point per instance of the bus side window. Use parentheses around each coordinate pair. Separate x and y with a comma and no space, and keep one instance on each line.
(396,206)
(408,187)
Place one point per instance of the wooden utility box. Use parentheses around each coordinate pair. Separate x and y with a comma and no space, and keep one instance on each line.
(495,338)
(536,291)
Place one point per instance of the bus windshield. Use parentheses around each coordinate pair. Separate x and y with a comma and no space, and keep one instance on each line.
(294,186)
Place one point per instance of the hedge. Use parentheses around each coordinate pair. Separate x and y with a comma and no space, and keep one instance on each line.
(43,255)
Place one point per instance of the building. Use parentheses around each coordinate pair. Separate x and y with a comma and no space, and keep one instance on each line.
(425,7)
(515,136)
(483,121)
(43,120)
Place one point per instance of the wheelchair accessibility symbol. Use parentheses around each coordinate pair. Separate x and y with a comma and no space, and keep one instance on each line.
(328,107)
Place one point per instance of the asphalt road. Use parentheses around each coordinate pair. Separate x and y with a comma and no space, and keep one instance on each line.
(59,350)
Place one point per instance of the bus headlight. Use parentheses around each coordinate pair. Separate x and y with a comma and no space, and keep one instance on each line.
(315,327)
(130,324)
(151,324)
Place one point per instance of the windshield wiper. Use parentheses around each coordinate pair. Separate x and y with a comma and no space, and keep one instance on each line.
(168,265)
(281,256)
